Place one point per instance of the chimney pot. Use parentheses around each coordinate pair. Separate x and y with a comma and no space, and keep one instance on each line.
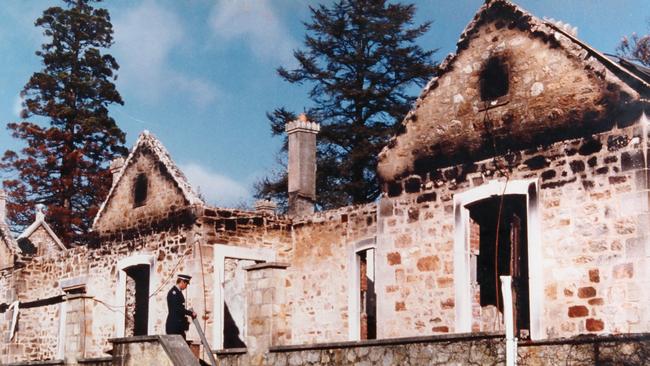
(40,215)
(302,165)
(265,207)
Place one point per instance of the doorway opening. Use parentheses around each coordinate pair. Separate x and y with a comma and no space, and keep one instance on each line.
(234,307)
(498,247)
(136,319)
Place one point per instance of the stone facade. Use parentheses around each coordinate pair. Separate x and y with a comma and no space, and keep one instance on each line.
(546,180)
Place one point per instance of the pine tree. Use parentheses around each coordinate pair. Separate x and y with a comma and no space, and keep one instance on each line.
(71,138)
(361,61)
(636,48)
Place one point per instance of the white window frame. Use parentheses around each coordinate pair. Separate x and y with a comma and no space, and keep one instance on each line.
(354,297)
(221,252)
(122,265)
(462,260)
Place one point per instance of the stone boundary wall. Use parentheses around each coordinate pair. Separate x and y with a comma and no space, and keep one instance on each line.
(623,349)
(97,361)
(36,363)
(486,349)
(465,349)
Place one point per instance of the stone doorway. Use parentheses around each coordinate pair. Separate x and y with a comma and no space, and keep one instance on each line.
(498,247)
(136,300)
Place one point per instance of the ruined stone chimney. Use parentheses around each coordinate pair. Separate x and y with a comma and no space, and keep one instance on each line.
(302,165)
(3,206)
(265,207)
(116,166)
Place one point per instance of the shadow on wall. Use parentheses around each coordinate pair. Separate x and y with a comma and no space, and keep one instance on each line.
(231,332)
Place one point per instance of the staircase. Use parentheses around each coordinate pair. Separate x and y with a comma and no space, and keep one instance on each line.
(160,350)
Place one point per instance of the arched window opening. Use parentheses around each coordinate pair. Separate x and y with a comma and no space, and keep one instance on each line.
(494,79)
(140,190)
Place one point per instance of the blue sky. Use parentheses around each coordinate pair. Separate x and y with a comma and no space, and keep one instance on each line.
(200,74)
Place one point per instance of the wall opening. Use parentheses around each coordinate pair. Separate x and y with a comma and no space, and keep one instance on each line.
(230,292)
(234,297)
(140,189)
(494,80)
(367,295)
(499,247)
(136,313)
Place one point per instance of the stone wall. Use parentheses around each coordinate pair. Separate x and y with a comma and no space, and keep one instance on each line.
(163,196)
(592,201)
(554,89)
(43,242)
(178,245)
(40,278)
(267,308)
(593,207)
(415,264)
(626,349)
(8,295)
(318,280)
(445,350)
(474,349)
(37,334)
(232,228)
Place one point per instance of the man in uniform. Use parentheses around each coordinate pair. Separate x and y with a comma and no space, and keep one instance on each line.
(177,322)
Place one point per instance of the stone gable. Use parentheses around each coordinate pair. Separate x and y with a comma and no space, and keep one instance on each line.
(161,194)
(44,242)
(515,81)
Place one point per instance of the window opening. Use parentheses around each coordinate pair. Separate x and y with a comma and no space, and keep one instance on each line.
(367,295)
(136,312)
(494,81)
(27,246)
(140,190)
(500,253)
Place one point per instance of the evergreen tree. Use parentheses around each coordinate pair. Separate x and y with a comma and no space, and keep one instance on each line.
(71,138)
(361,61)
(636,48)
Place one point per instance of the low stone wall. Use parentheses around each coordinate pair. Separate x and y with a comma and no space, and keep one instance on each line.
(35,363)
(97,361)
(463,349)
(629,349)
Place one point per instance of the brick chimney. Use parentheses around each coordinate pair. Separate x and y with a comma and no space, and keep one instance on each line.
(116,166)
(3,206)
(302,165)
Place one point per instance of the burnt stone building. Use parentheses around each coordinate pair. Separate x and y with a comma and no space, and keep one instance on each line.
(526,156)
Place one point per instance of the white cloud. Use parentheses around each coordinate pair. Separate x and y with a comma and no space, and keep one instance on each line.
(201,92)
(216,188)
(256,23)
(145,38)
(17,107)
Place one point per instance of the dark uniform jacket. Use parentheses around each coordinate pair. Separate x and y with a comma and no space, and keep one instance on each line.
(177,322)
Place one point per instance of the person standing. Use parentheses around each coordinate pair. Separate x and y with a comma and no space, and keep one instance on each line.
(177,322)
